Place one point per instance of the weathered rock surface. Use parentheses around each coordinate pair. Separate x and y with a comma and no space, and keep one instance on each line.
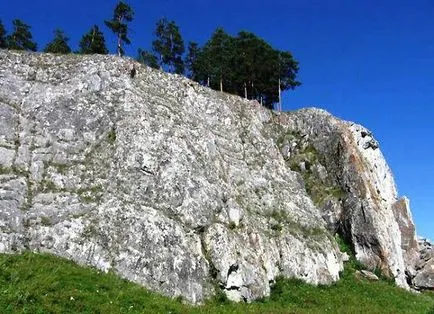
(367,275)
(167,183)
(409,244)
(424,276)
(183,189)
(349,179)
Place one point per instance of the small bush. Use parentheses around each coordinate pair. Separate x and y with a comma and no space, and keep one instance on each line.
(46,221)
(111,136)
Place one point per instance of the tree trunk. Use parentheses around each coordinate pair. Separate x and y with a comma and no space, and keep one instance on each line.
(221,84)
(119,39)
(280,97)
(119,46)
(93,35)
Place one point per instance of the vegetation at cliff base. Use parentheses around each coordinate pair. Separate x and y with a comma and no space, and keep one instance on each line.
(41,283)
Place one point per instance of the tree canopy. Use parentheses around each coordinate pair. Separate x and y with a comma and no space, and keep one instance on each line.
(215,62)
(193,51)
(59,44)
(2,36)
(21,38)
(148,58)
(245,65)
(122,14)
(169,46)
(93,42)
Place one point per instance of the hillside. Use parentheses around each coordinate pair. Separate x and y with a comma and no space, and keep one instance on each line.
(45,284)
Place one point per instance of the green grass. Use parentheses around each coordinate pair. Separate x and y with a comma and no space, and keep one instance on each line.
(40,283)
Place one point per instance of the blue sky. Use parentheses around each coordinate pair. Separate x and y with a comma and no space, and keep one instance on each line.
(367,61)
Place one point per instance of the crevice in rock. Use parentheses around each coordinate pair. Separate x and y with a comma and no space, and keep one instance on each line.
(232,269)
(213,271)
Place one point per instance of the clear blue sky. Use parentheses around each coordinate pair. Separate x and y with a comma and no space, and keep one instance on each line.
(367,61)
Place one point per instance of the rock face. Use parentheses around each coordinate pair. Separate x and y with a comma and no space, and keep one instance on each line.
(424,278)
(349,180)
(165,182)
(183,189)
(409,244)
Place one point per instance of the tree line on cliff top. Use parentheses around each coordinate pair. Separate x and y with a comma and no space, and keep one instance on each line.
(244,64)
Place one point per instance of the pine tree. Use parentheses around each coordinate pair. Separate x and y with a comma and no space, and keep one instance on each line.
(169,46)
(2,36)
(21,37)
(217,61)
(118,24)
(59,44)
(191,60)
(93,42)
(245,65)
(148,58)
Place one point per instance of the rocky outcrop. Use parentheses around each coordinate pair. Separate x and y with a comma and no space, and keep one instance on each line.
(409,244)
(424,277)
(183,189)
(165,182)
(349,179)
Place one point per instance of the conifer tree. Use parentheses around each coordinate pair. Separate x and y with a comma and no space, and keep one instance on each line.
(245,65)
(2,36)
(190,62)
(21,37)
(148,58)
(122,14)
(217,60)
(169,46)
(93,42)
(59,44)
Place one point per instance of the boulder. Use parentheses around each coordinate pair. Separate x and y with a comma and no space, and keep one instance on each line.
(425,277)
(409,244)
(367,274)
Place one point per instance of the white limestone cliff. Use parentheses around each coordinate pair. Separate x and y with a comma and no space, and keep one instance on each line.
(180,188)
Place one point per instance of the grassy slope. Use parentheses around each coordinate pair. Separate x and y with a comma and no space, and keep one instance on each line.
(38,283)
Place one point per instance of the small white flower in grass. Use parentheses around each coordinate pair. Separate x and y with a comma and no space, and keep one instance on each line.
(72,298)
